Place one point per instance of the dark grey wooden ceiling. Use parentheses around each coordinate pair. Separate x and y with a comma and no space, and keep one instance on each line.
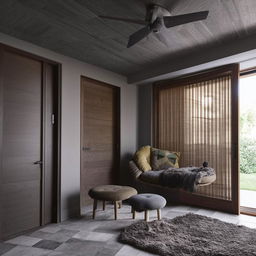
(72,28)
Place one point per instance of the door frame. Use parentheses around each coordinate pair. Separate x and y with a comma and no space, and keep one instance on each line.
(187,197)
(57,99)
(244,209)
(118,122)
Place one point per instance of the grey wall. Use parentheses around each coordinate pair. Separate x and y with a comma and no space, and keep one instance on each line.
(70,124)
(145,105)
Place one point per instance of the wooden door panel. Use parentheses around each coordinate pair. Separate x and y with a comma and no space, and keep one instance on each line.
(22,209)
(25,172)
(94,179)
(21,143)
(103,155)
(99,164)
(99,135)
(28,98)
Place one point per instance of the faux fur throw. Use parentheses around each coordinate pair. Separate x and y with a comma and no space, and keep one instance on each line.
(186,178)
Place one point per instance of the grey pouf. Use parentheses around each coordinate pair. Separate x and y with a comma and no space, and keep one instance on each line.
(146,202)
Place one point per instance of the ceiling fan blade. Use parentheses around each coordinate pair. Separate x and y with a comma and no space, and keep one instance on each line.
(172,21)
(138,35)
(141,22)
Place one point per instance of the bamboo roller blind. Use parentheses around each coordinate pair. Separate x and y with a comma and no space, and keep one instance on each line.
(195,119)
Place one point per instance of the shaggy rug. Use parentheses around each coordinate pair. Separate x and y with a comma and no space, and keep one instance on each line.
(191,235)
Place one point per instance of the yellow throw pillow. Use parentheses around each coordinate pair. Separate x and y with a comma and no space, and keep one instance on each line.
(142,158)
(161,159)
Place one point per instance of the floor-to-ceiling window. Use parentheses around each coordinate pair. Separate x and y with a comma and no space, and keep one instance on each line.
(198,117)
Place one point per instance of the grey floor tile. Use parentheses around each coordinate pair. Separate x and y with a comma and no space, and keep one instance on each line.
(83,225)
(226,217)
(5,247)
(106,252)
(51,229)
(55,253)
(146,254)
(24,240)
(93,236)
(172,214)
(114,244)
(114,228)
(128,250)
(26,251)
(205,212)
(40,234)
(80,247)
(47,244)
(84,236)
(62,235)
(193,209)
(247,224)
(110,248)
(180,208)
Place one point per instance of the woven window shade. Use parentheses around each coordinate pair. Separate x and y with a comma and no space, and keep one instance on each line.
(195,119)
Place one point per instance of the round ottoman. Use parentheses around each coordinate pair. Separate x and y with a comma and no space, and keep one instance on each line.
(146,202)
(113,193)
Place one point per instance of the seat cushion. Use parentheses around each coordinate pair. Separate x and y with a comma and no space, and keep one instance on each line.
(142,158)
(142,202)
(152,177)
(112,192)
(162,159)
(207,179)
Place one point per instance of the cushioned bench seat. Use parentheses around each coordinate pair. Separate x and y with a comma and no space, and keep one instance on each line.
(153,178)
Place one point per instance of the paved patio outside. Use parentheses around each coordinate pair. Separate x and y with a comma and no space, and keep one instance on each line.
(248,198)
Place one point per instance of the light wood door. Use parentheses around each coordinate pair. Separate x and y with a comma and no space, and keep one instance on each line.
(99,135)
(21,143)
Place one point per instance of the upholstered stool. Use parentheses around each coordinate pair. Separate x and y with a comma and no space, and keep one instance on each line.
(111,193)
(146,202)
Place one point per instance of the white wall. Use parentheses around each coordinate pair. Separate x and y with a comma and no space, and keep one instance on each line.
(70,126)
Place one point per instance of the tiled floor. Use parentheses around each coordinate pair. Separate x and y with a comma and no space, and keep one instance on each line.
(87,237)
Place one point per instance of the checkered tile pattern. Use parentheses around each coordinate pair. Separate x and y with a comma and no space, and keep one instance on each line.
(99,237)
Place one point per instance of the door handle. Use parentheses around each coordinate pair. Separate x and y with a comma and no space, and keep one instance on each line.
(38,162)
(86,149)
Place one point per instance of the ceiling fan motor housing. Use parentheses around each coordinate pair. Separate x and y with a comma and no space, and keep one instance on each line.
(157,11)
(156,14)
(157,25)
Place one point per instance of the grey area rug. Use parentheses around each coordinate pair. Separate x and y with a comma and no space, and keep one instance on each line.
(191,234)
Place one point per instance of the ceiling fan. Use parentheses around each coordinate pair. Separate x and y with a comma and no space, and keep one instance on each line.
(157,20)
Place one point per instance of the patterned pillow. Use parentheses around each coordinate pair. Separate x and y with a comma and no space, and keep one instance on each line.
(161,159)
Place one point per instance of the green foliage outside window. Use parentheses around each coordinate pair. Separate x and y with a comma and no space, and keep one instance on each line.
(248,142)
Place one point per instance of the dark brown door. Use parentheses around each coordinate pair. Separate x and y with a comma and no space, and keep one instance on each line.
(21,143)
(27,142)
(99,135)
